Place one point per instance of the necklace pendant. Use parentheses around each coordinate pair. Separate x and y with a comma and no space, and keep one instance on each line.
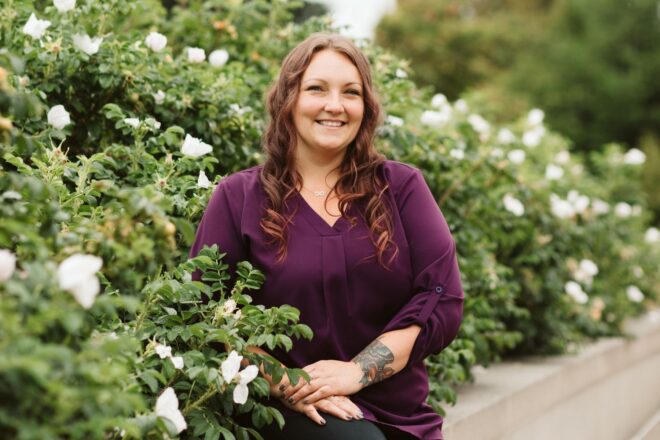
(319,193)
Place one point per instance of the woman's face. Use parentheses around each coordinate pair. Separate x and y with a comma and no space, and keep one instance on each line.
(330,105)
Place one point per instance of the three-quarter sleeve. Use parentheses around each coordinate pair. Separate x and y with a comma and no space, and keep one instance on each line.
(436,302)
(221,224)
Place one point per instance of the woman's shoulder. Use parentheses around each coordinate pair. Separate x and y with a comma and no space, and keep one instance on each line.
(244,180)
(398,174)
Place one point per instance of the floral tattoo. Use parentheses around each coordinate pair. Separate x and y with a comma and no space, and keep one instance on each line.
(374,361)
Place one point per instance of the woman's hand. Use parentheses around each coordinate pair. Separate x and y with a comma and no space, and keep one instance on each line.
(339,406)
(328,378)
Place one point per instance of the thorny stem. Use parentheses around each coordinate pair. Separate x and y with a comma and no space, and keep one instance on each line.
(203,398)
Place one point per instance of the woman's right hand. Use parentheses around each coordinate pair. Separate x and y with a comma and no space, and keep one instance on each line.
(339,406)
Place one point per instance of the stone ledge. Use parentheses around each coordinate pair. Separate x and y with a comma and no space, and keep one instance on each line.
(607,391)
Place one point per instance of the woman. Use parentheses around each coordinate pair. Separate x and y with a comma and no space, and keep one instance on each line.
(357,243)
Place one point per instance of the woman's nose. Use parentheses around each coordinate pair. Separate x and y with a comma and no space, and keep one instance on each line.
(333,104)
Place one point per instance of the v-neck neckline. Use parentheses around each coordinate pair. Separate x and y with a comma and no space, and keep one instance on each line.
(318,222)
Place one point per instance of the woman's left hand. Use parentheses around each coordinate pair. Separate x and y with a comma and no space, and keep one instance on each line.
(328,378)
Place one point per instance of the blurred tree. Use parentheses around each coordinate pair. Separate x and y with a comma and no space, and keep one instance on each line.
(309,10)
(596,71)
(454,45)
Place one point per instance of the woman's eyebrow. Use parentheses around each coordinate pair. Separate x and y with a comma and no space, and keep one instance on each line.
(324,81)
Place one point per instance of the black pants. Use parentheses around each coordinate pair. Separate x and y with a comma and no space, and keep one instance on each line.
(300,427)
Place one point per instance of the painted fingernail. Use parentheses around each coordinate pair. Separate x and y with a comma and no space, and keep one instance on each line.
(305,401)
(347,417)
(322,422)
(282,387)
(290,400)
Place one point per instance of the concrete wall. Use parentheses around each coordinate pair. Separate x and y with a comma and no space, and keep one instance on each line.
(610,390)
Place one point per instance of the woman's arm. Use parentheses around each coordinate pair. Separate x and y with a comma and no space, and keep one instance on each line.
(384,357)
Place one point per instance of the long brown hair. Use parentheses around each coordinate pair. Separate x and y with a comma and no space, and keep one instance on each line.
(359,178)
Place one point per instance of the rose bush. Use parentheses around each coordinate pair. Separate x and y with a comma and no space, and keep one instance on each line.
(113,133)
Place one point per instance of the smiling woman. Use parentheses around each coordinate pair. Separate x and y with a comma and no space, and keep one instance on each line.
(356,242)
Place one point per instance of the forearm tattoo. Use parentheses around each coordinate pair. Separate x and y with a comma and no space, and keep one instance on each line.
(374,361)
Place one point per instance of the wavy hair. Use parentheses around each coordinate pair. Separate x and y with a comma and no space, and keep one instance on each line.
(359,173)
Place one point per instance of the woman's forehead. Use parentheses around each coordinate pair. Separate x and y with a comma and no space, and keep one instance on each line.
(328,65)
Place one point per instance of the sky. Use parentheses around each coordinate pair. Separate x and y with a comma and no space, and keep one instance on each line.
(361,15)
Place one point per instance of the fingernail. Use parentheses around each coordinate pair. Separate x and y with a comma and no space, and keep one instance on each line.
(290,400)
(282,387)
(322,422)
(305,401)
(282,395)
(347,417)
(361,416)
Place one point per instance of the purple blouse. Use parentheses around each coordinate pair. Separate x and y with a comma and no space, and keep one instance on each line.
(343,294)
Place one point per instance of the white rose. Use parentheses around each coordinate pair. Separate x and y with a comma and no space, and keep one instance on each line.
(580,204)
(516,156)
(230,366)
(64,5)
(167,406)
(588,267)
(634,294)
(394,121)
(622,210)
(163,351)
(435,119)
(400,73)
(133,122)
(532,138)
(195,147)
(177,361)
(244,378)
(652,235)
(634,156)
(563,157)
(457,154)
(439,100)
(86,44)
(461,106)
(228,307)
(574,290)
(159,97)
(513,205)
(35,27)
(535,116)
(218,58)
(506,136)
(156,41)
(203,181)
(478,123)
(58,117)
(7,264)
(196,55)
(77,274)
(561,208)
(553,172)
(600,207)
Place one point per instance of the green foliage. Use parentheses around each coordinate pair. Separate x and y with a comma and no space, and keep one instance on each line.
(115,183)
(455,45)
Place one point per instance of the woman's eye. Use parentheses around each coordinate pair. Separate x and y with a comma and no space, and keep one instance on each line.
(353,92)
(314,88)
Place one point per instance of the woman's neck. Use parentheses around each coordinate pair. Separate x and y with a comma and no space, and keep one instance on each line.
(318,173)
